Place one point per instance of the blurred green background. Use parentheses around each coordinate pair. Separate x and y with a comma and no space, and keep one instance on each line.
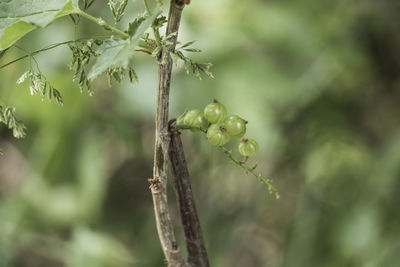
(319,83)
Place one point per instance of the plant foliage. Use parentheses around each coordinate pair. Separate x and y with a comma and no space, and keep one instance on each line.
(18,17)
(8,118)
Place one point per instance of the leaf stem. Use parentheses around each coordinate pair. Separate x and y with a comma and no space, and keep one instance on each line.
(155,30)
(188,127)
(146,6)
(102,23)
(145,50)
(38,51)
(271,188)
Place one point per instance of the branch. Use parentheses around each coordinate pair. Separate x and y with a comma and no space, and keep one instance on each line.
(197,254)
(159,180)
(101,22)
(145,50)
(38,51)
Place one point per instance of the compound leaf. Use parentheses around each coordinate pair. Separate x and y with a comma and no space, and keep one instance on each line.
(19,17)
(117,53)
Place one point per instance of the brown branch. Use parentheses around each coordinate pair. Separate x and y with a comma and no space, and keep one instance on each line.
(158,187)
(197,254)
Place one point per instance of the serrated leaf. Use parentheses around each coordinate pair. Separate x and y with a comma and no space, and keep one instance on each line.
(133,26)
(117,53)
(113,53)
(159,22)
(117,8)
(145,25)
(18,17)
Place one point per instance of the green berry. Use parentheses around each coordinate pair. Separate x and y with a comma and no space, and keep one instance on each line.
(179,120)
(195,117)
(215,112)
(248,147)
(235,126)
(217,135)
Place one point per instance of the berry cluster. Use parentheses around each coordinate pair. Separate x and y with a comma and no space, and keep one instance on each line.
(219,127)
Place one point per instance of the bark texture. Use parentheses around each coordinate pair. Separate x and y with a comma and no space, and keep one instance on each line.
(197,254)
(159,180)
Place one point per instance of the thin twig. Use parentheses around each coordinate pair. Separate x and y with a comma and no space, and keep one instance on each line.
(101,22)
(158,188)
(155,30)
(251,169)
(38,51)
(197,254)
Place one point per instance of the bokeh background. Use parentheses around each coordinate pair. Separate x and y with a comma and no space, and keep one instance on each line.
(319,83)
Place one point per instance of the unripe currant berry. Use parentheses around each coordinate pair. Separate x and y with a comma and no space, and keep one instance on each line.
(215,112)
(195,117)
(217,135)
(235,126)
(180,119)
(248,147)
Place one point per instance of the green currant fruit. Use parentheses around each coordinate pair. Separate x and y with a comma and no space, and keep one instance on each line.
(248,147)
(215,112)
(217,135)
(235,126)
(179,120)
(196,118)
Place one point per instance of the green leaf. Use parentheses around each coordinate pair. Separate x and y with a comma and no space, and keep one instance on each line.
(159,22)
(117,53)
(188,44)
(117,8)
(195,50)
(18,17)
(113,53)
(133,26)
